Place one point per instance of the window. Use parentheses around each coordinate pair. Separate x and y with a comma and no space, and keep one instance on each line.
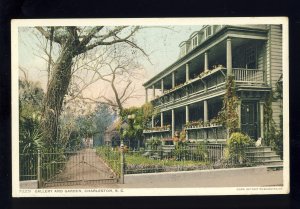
(250,57)
(208,31)
(182,50)
(195,41)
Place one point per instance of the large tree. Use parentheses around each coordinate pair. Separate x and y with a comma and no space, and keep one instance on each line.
(74,42)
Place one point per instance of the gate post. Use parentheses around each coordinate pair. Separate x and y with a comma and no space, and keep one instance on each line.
(122,164)
(39,174)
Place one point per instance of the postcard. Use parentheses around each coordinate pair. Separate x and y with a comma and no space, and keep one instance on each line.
(150,107)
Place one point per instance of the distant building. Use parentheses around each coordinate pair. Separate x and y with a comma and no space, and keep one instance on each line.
(191,90)
(112,136)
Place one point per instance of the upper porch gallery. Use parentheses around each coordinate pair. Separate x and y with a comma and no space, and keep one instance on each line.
(230,50)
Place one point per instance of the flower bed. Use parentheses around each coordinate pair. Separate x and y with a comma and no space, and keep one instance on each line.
(141,164)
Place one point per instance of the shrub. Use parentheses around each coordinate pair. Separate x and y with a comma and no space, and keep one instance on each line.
(154,143)
(237,144)
(201,152)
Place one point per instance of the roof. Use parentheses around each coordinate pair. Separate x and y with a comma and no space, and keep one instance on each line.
(114,126)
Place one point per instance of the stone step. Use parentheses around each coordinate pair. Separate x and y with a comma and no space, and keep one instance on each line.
(264,158)
(260,153)
(262,148)
(274,167)
(271,162)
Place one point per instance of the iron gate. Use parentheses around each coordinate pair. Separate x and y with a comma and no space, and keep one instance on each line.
(73,168)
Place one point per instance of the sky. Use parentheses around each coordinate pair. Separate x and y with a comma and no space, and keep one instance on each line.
(160,43)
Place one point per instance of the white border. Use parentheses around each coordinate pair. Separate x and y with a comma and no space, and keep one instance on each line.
(150,21)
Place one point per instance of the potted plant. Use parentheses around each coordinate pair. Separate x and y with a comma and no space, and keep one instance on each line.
(201,123)
(182,136)
(213,122)
(206,124)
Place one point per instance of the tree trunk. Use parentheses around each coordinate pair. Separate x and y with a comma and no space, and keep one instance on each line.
(57,89)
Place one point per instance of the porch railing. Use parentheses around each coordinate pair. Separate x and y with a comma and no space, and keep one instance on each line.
(249,76)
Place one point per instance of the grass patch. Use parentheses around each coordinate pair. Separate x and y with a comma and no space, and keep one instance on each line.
(136,163)
(141,160)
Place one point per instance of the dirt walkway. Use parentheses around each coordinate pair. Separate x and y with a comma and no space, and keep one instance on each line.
(84,167)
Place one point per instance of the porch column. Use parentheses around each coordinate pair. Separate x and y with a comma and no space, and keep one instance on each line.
(146,90)
(228,57)
(187,72)
(161,119)
(173,79)
(239,111)
(206,61)
(205,109)
(173,122)
(261,110)
(153,91)
(162,86)
(187,114)
(187,119)
(152,121)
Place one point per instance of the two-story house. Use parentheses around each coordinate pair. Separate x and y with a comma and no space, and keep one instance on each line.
(192,88)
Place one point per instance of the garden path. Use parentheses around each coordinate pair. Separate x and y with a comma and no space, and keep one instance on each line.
(85,166)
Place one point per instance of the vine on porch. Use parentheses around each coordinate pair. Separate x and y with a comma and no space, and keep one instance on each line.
(273,135)
(228,115)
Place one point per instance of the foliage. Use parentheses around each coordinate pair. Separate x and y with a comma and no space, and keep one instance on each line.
(154,143)
(183,151)
(141,164)
(182,135)
(74,44)
(103,118)
(30,140)
(137,163)
(141,160)
(86,125)
(111,157)
(201,151)
(30,106)
(134,130)
(74,128)
(237,144)
(228,115)
(272,135)
(95,123)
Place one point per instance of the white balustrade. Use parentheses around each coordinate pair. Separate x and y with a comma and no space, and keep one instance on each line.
(250,76)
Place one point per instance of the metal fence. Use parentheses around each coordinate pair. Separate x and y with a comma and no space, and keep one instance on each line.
(197,157)
(28,166)
(62,168)
(83,166)
(173,158)
(108,165)
(112,157)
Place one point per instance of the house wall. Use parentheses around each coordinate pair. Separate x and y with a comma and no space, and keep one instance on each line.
(275,65)
(239,55)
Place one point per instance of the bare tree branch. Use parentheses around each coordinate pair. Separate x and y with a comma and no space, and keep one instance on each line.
(47,35)
(112,33)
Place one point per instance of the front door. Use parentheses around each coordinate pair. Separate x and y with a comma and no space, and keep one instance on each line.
(249,123)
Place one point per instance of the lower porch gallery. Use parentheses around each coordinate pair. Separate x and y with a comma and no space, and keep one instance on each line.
(199,121)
